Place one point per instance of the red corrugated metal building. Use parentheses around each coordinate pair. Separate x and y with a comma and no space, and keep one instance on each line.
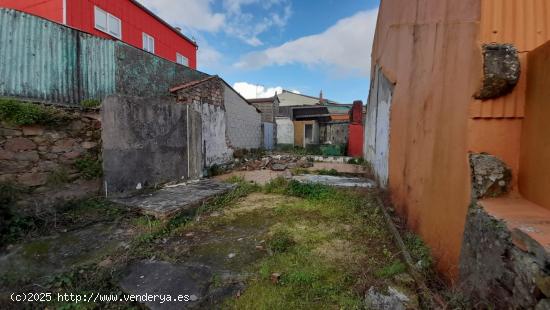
(356,130)
(125,20)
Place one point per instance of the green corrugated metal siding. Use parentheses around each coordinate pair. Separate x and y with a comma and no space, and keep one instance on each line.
(49,62)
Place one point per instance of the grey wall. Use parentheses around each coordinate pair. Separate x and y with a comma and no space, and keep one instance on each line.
(142,74)
(243,121)
(334,133)
(144,142)
(214,140)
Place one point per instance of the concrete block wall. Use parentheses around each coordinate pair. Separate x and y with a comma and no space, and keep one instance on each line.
(285,130)
(243,121)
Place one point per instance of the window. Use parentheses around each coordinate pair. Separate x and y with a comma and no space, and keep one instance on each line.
(107,23)
(182,60)
(148,43)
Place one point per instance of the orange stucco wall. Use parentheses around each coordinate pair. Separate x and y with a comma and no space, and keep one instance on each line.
(534,177)
(429,48)
(495,126)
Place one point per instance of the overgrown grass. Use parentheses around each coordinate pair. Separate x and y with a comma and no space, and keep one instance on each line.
(242,189)
(18,113)
(329,247)
(395,268)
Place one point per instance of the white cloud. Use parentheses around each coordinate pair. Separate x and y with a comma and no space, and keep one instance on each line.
(252,91)
(208,57)
(345,46)
(193,14)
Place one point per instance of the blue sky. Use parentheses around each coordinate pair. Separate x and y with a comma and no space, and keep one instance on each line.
(263,46)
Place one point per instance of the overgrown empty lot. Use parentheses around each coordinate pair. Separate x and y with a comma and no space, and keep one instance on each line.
(285,245)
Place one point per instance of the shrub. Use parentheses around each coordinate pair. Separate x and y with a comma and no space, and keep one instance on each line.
(19,113)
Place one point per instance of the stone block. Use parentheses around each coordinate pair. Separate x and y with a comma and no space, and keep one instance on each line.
(9,132)
(501,70)
(19,144)
(72,155)
(6,155)
(32,179)
(88,145)
(48,166)
(32,130)
(490,176)
(11,166)
(27,156)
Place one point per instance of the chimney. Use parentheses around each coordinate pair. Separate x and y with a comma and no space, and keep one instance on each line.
(321,97)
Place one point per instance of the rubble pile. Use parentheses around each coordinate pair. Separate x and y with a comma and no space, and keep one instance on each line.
(276,163)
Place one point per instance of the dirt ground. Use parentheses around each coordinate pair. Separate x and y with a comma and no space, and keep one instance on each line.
(279,245)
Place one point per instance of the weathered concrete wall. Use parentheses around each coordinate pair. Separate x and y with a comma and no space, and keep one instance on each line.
(285,130)
(215,148)
(429,49)
(334,133)
(243,121)
(142,74)
(144,142)
(41,157)
(377,129)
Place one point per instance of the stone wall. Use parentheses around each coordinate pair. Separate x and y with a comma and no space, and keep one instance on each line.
(41,157)
(494,272)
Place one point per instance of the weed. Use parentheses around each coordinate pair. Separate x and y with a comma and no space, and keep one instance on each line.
(309,190)
(89,166)
(90,103)
(280,242)
(58,177)
(19,113)
(214,170)
(418,249)
(276,186)
(357,161)
(332,172)
(395,268)
(243,189)
(299,170)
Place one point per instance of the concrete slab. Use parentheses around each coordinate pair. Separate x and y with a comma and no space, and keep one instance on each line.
(175,199)
(187,286)
(335,180)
